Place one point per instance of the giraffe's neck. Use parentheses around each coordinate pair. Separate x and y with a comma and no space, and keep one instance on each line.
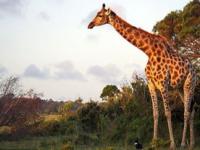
(136,36)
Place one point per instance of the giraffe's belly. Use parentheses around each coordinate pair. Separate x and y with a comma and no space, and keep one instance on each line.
(173,77)
(171,70)
(178,74)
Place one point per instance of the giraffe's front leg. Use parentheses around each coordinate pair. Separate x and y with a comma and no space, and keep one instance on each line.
(164,93)
(153,94)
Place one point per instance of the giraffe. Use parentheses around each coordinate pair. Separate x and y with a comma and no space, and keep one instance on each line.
(165,69)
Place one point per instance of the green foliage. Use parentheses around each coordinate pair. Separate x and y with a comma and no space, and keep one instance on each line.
(120,121)
(109,91)
(69,108)
(85,138)
(182,28)
(88,116)
(67,146)
(109,148)
(177,25)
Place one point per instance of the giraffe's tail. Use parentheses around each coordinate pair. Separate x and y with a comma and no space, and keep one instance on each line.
(196,97)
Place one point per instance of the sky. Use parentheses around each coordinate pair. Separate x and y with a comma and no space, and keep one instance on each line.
(46,44)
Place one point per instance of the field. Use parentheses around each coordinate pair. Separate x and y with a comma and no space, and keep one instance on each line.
(57,143)
(49,143)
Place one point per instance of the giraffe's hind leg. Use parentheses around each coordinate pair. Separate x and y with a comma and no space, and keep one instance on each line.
(189,86)
(192,139)
(164,93)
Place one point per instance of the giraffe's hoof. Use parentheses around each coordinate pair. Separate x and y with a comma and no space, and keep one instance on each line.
(183,146)
(172,146)
(191,147)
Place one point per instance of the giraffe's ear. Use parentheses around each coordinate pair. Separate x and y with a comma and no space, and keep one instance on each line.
(108,12)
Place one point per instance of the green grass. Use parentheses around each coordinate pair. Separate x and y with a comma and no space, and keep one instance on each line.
(47,143)
(35,143)
(55,143)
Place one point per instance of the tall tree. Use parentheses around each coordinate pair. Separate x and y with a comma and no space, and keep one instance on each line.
(182,28)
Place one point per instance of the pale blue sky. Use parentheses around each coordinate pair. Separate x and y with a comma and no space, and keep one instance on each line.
(47,44)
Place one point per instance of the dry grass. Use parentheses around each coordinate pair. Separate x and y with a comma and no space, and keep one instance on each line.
(50,118)
(5,130)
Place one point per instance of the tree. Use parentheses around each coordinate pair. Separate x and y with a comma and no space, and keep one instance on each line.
(109,91)
(19,111)
(182,28)
(31,93)
(88,116)
(10,86)
(70,108)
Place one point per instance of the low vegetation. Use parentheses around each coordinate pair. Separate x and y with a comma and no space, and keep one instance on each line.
(117,121)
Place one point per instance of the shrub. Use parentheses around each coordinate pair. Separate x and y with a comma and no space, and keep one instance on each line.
(67,146)
(109,148)
(5,130)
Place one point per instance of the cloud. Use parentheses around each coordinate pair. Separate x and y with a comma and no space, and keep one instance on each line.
(106,74)
(60,71)
(44,16)
(11,7)
(66,70)
(3,70)
(34,72)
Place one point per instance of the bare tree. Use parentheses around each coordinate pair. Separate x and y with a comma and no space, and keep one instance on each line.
(31,93)
(10,86)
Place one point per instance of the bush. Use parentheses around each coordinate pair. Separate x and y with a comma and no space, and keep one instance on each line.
(158,144)
(67,146)
(5,130)
(87,139)
(109,148)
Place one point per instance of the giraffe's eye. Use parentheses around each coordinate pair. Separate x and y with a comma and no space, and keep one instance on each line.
(100,16)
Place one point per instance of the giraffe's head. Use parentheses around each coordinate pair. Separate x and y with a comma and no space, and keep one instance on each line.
(101,18)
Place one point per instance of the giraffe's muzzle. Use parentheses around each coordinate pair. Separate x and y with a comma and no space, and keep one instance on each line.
(91,25)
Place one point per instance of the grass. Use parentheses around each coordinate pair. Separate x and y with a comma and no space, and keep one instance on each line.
(35,143)
(52,117)
(56,143)
(49,143)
